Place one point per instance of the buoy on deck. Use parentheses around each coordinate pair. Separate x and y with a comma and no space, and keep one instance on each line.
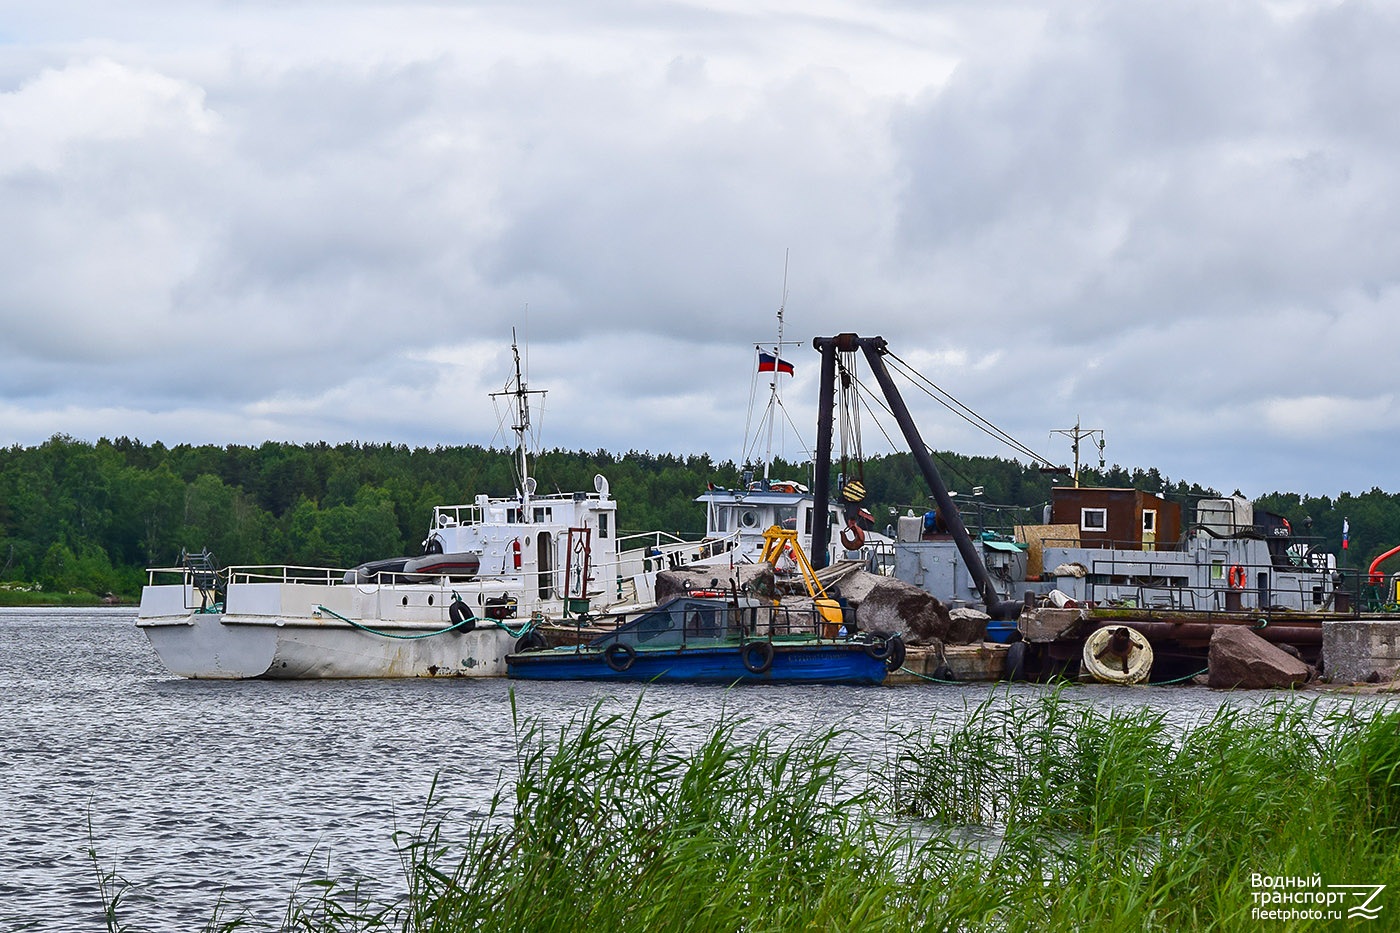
(1118,654)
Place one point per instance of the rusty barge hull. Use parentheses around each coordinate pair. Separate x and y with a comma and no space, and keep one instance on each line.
(1180,640)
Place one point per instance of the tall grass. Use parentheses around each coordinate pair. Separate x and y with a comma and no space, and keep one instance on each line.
(1116,821)
(1029,815)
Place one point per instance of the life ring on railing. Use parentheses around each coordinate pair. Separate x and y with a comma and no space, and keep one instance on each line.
(1117,654)
(619,656)
(853,536)
(757,656)
(1237,578)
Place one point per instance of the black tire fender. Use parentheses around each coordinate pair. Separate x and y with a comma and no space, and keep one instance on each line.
(879,649)
(619,656)
(757,656)
(1016,661)
(460,613)
(529,642)
(894,656)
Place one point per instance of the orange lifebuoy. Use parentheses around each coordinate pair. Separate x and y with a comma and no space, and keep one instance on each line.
(1237,577)
(852,537)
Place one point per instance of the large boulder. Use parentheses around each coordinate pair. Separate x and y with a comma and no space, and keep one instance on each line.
(1240,659)
(892,606)
(886,606)
(967,626)
(752,579)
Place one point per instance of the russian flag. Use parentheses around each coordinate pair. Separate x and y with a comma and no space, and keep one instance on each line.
(1346,533)
(768,363)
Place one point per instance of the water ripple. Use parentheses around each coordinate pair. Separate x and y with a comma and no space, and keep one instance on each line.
(202,790)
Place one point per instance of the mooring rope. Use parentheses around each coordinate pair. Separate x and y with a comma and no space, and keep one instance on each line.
(905,670)
(1177,680)
(372,631)
(529,625)
(1157,683)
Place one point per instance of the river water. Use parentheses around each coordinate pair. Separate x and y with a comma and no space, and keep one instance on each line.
(197,790)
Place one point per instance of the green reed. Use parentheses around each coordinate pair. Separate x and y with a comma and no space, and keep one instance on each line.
(1031,814)
(1115,820)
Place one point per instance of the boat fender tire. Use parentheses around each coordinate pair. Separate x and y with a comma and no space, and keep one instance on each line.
(880,648)
(1016,661)
(757,656)
(619,656)
(529,642)
(894,657)
(459,612)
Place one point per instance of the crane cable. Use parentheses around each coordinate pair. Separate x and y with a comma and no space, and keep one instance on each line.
(950,402)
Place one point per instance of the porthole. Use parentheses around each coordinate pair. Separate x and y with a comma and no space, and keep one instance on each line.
(405,600)
(430,599)
(749,518)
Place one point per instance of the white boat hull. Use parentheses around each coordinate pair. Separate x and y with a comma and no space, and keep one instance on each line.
(226,647)
(295,630)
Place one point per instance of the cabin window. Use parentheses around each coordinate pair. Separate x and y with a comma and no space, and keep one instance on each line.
(1149,520)
(721,524)
(602,524)
(807,521)
(1093,519)
(542,515)
(787,517)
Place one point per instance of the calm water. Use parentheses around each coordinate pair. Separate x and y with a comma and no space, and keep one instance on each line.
(197,787)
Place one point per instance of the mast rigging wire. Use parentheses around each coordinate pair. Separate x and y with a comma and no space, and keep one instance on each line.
(950,402)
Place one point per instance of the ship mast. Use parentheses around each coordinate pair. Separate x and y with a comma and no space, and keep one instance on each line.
(773,401)
(521,396)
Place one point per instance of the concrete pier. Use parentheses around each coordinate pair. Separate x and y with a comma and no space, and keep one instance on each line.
(1361,650)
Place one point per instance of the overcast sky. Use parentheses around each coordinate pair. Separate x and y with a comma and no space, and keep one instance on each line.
(227,222)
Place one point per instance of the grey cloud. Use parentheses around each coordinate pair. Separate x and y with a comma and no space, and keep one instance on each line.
(308,221)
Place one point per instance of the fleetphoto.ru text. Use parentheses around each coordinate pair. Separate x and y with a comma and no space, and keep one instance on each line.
(1295,897)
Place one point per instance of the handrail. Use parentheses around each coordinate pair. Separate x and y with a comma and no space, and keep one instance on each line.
(658,537)
(1343,597)
(763,623)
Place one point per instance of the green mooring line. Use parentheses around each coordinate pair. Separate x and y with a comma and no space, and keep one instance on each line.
(1159,683)
(372,631)
(442,631)
(905,670)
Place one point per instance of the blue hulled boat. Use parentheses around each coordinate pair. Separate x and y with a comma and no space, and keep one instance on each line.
(707,639)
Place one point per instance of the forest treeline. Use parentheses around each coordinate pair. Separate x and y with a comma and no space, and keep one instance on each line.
(81,516)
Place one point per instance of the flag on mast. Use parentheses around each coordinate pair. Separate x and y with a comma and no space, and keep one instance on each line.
(1346,533)
(768,363)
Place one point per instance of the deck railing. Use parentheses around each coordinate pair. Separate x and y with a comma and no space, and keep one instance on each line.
(694,624)
(1265,589)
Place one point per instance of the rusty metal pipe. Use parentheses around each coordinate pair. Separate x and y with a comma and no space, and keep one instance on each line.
(1287,634)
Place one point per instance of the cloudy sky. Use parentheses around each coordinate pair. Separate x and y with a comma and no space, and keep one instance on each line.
(227,222)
